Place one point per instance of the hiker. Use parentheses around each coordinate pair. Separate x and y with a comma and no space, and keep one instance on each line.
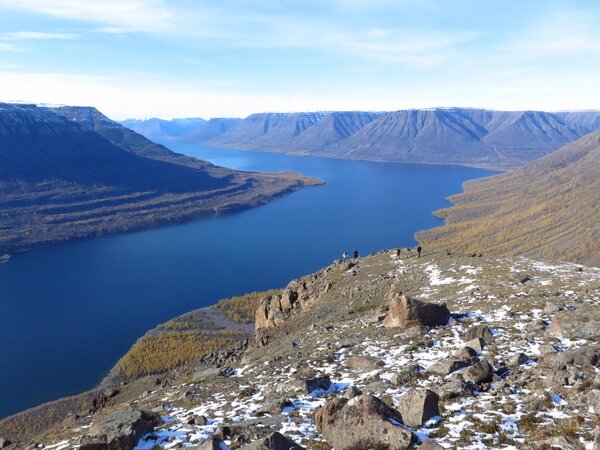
(398,253)
(344,256)
(355,254)
(419,250)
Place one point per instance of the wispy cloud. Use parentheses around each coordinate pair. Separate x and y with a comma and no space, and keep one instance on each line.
(130,15)
(4,47)
(36,35)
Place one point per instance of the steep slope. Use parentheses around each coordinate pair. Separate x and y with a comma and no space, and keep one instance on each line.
(477,137)
(163,129)
(267,130)
(90,119)
(550,208)
(61,179)
(512,365)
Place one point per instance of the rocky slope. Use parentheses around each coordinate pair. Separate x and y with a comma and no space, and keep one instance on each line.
(71,172)
(381,352)
(476,137)
(549,209)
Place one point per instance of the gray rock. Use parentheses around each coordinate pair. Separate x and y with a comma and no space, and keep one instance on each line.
(204,374)
(299,386)
(361,423)
(479,373)
(517,359)
(430,444)
(479,331)
(465,353)
(274,407)
(123,429)
(476,344)
(407,312)
(211,444)
(418,406)
(450,365)
(406,375)
(275,441)
(364,362)
(581,323)
(92,443)
(351,392)
(456,389)
(4,442)
(547,349)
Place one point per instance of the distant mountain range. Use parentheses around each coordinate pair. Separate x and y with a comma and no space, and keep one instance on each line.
(158,128)
(474,137)
(70,172)
(548,209)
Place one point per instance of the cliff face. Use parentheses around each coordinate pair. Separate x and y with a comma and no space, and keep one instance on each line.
(549,209)
(477,137)
(380,352)
(72,172)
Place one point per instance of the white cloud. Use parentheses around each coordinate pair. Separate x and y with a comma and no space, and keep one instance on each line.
(36,35)
(130,15)
(8,47)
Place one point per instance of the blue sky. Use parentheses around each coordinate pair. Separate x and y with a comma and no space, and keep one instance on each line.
(178,58)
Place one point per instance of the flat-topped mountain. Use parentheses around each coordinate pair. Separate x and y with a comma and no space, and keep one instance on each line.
(549,208)
(475,137)
(381,352)
(71,172)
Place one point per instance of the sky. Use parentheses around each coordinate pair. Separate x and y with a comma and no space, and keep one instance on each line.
(230,58)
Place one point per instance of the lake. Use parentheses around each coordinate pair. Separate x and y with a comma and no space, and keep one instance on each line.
(68,312)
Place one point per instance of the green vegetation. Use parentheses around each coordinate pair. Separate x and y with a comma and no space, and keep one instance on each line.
(159,352)
(243,308)
(549,209)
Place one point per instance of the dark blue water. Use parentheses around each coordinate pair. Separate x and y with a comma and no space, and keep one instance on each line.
(67,313)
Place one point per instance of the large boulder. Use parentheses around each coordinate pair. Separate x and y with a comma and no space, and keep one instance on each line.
(479,331)
(275,309)
(478,373)
(123,429)
(418,406)
(364,363)
(452,364)
(362,422)
(275,441)
(408,312)
(581,323)
(298,386)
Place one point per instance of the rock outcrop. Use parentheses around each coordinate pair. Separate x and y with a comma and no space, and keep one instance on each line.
(581,323)
(123,429)
(408,312)
(418,406)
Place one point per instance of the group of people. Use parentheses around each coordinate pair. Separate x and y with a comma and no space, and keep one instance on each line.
(345,255)
(419,250)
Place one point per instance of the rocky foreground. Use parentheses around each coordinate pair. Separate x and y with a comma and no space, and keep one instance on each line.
(383,352)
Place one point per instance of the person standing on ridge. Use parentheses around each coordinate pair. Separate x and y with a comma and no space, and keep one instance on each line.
(355,254)
(398,253)
(344,256)
(419,249)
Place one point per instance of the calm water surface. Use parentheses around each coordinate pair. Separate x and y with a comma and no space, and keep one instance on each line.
(67,313)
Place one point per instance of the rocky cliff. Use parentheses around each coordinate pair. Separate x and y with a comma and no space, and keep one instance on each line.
(384,352)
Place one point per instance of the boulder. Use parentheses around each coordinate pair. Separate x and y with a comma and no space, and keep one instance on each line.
(407,312)
(91,443)
(418,406)
(274,407)
(479,331)
(476,344)
(517,359)
(450,365)
(364,362)
(464,353)
(299,386)
(430,444)
(406,375)
(456,389)
(362,422)
(275,441)
(211,444)
(203,374)
(4,442)
(581,323)
(123,429)
(588,355)
(478,373)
